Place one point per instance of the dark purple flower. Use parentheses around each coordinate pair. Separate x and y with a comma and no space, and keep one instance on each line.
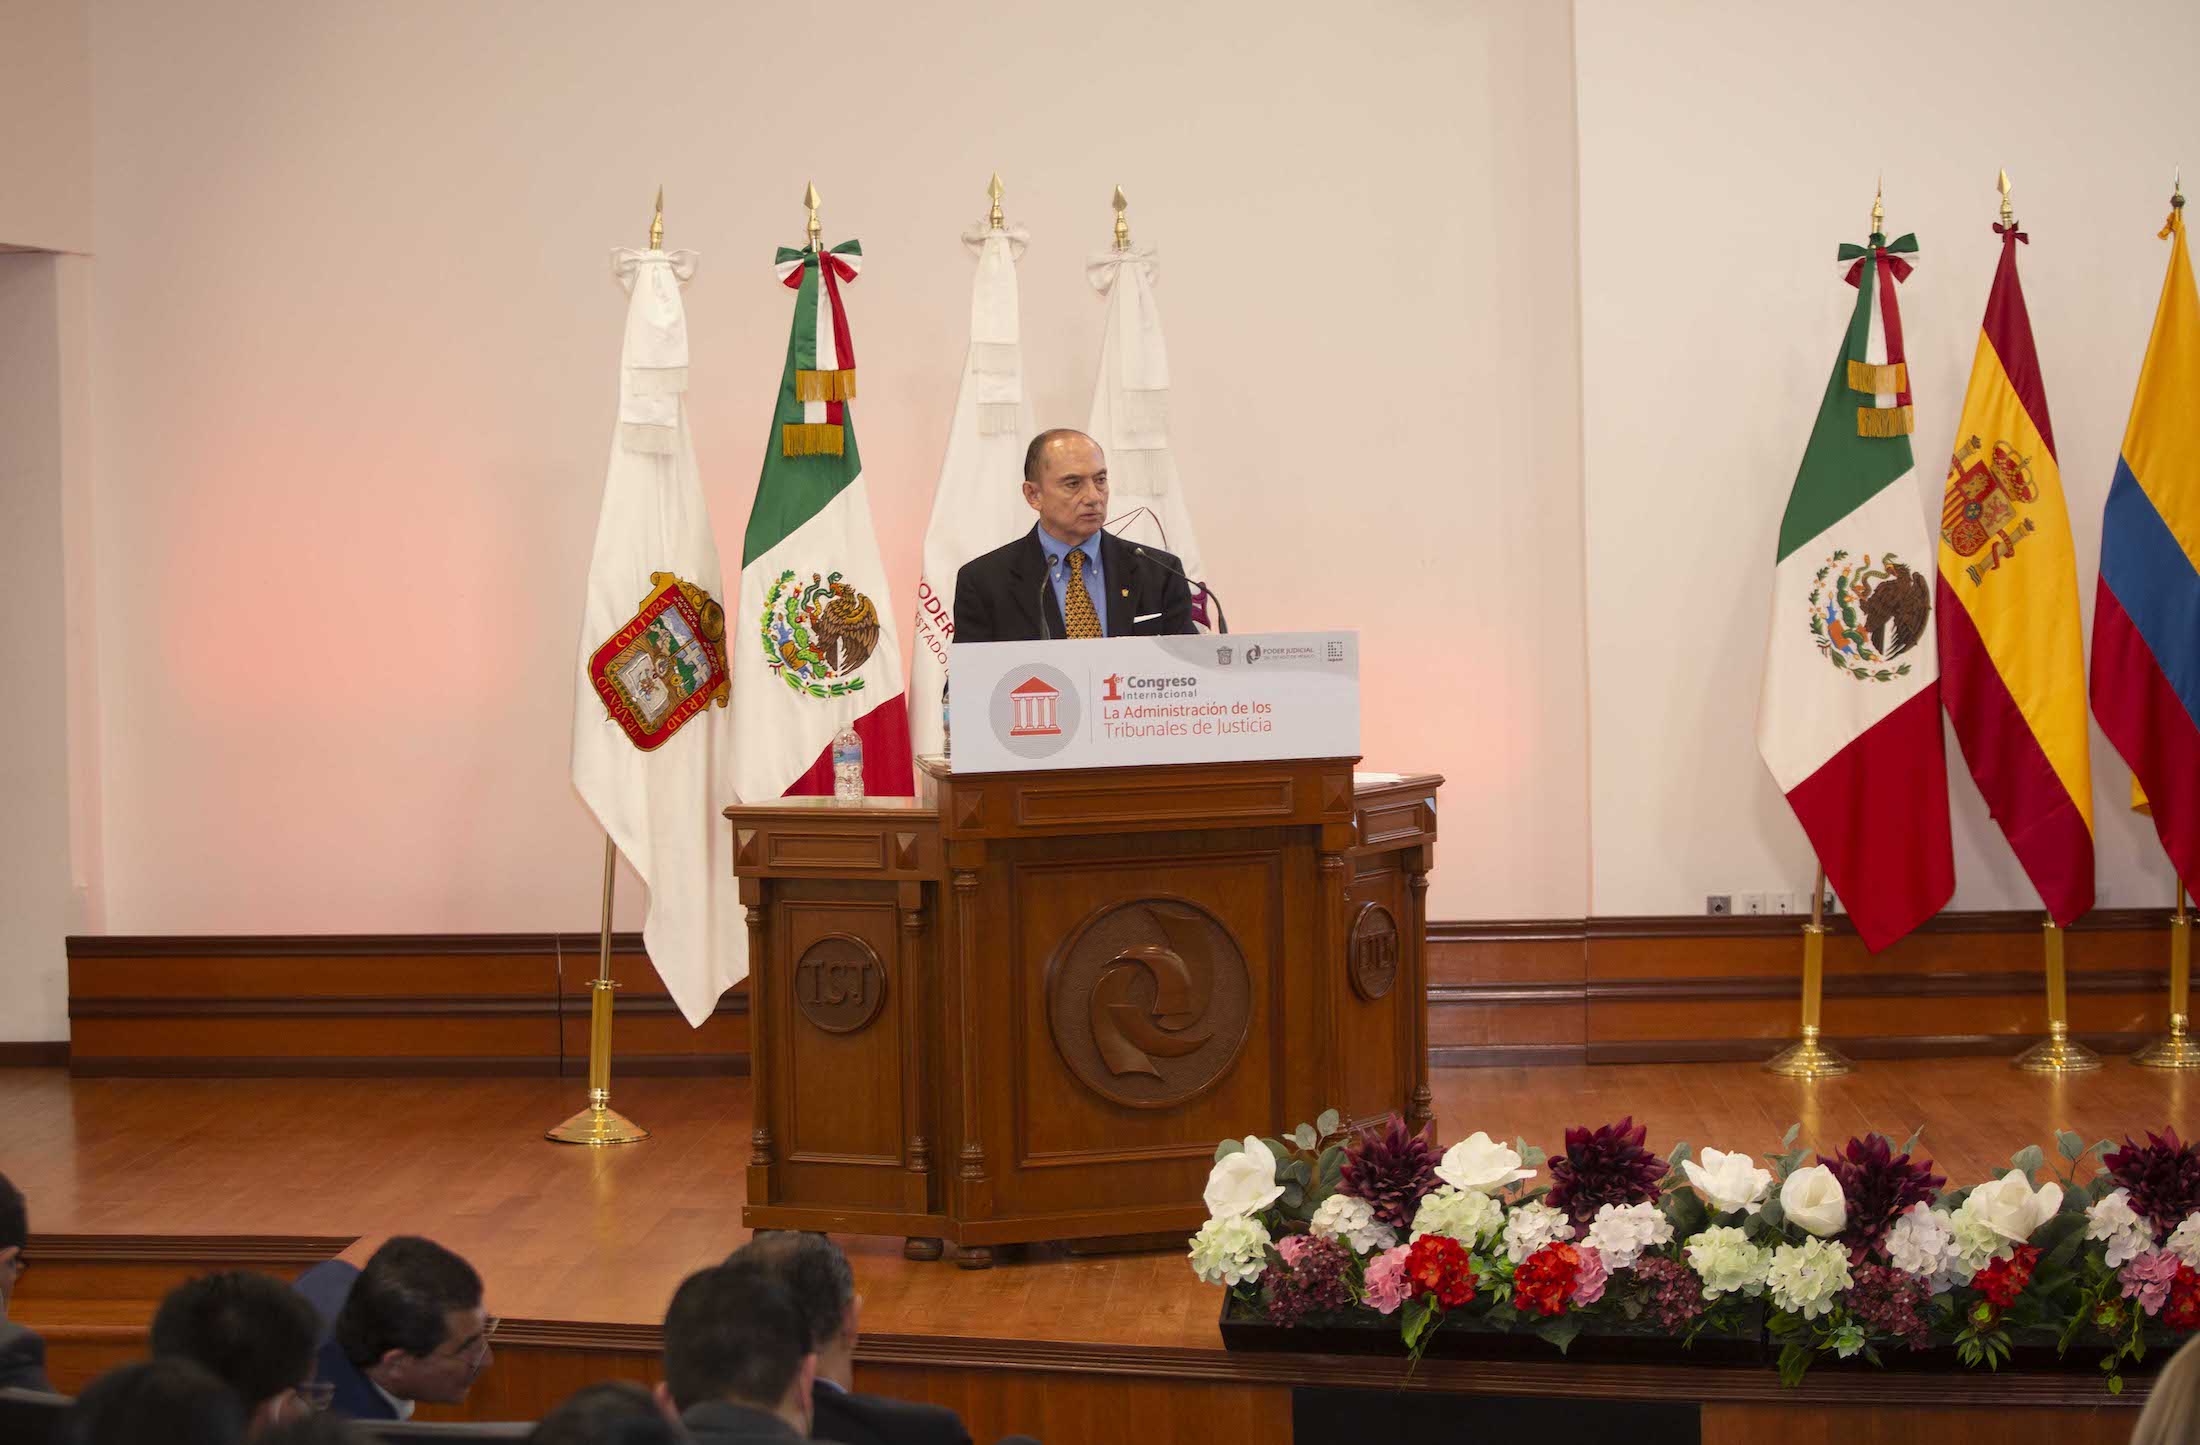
(1675,1291)
(1390,1167)
(1879,1185)
(1887,1301)
(1601,1166)
(2163,1176)
(1312,1283)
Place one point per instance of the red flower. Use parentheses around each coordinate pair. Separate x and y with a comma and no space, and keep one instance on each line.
(2005,1279)
(1545,1279)
(2182,1312)
(1439,1266)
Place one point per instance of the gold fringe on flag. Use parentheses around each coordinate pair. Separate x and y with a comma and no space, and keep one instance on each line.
(825,385)
(809,439)
(1890,380)
(1885,421)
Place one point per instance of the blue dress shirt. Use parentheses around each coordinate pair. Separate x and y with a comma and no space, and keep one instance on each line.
(1057,555)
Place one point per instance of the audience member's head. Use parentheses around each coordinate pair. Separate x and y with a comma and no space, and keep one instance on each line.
(816,1273)
(314,1430)
(413,1322)
(615,1412)
(734,1333)
(2172,1415)
(15,1232)
(173,1401)
(255,1333)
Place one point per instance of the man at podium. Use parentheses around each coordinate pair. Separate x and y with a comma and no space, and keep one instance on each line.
(1066,577)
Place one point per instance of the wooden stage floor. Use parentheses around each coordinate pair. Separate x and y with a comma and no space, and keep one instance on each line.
(597,1240)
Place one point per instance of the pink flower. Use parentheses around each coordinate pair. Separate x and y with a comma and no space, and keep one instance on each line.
(2147,1279)
(1291,1246)
(1589,1279)
(1387,1285)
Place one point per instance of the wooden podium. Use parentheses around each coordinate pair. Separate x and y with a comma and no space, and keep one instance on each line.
(1024,1006)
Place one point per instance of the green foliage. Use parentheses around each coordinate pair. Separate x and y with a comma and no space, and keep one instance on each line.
(1226,1148)
(2028,1159)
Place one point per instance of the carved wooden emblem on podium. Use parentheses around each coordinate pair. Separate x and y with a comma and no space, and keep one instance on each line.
(1149,1001)
(839,984)
(1371,952)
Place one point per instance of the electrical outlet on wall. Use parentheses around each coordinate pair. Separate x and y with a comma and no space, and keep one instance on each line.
(1750,903)
(1780,902)
(1718,905)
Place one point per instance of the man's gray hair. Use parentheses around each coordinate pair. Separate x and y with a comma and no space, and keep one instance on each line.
(1038,448)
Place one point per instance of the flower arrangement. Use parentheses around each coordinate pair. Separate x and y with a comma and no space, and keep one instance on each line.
(1852,1254)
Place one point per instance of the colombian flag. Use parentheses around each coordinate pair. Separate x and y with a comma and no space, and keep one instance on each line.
(2012,646)
(2146,615)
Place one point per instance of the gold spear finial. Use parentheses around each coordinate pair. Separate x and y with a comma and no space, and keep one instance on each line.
(1122,221)
(2008,209)
(1879,207)
(2177,191)
(994,192)
(657,223)
(809,198)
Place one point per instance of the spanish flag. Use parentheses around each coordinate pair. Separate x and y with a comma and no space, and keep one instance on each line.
(2012,649)
(2146,614)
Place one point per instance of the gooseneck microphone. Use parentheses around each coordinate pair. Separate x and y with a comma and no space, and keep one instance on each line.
(1222,620)
(1046,633)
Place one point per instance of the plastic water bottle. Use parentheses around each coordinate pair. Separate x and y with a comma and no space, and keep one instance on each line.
(848,765)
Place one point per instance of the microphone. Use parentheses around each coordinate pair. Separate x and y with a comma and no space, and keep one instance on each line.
(1046,633)
(1222,620)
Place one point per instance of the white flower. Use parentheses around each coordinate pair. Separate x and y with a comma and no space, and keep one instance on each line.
(1528,1227)
(1813,1200)
(2184,1240)
(1922,1242)
(1805,1277)
(1471,1218)
(2113,1219)
(1728,1263)
(1976,1243)
(2011,1207)
(1621,1232)
(1229,1250)
(1481,1165)
(1341,1216)
(1729,1181)
(1243,1182)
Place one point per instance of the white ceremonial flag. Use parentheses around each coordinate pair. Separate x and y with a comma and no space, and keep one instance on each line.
(979,503)
(652,735)
(1130,417)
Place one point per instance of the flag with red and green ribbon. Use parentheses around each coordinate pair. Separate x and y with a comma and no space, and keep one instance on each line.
(813,645)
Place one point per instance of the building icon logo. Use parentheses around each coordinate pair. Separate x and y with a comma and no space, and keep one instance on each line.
(1036,710)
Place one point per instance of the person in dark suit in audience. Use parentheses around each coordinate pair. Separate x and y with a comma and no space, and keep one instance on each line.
(612,1412)
(1066,577)
(254,1334)
(411,1328)
(824,1287)
(173,1401)
(22,1352)
(315,1430)
(738,1362)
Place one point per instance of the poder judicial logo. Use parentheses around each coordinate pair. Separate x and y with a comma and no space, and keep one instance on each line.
(665,664)
(1035,712)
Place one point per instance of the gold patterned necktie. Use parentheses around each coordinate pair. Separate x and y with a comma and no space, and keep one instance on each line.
(1077,613)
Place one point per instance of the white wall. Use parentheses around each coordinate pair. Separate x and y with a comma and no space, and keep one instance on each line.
(356,345)
(45,125)
(1725,151)
(40,651)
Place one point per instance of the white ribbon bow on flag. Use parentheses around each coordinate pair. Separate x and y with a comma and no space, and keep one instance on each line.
(1140,416)
(996,355)
(653,362)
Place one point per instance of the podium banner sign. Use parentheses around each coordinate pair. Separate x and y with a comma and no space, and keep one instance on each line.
(1121,702)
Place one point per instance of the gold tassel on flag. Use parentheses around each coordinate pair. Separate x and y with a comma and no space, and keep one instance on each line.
(1885,421)
(810,439)
(825,386)
(1891,379)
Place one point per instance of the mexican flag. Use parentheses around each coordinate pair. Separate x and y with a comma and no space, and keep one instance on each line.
(812,645)
(1849,720)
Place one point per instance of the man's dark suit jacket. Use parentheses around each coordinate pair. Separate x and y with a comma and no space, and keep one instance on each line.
(999,597)
(853,1419)
(22,1358)
(327,1285)
(721,1422)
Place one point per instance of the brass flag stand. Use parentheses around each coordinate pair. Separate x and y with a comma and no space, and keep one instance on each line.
(1807,1058)
(2176,1050)
(2058,1053)
(600,1124)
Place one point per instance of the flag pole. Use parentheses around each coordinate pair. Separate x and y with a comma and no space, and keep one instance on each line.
(2058,1053)
(1807,1058)
(600,1124)
(2176,1050)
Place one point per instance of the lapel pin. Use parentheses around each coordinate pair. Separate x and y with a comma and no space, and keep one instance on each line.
(1126,592)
